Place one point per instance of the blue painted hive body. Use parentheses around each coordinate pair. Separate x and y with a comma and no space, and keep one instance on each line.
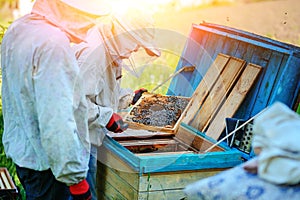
(280,80)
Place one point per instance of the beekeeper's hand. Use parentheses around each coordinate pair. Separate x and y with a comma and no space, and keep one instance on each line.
(116,124)
(138,94)
(81,191)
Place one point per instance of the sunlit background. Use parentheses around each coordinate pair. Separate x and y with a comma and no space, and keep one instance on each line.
(276,19)
(174,19)
(24,6)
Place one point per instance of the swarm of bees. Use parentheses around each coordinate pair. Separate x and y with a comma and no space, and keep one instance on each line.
(158,110)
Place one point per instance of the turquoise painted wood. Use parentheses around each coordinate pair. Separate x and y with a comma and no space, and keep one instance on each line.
(279,81)
(172,162)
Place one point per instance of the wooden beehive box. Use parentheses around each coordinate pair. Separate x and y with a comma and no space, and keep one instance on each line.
(237,75)
(154,160)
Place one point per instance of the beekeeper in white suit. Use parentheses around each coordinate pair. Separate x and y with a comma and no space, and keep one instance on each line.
(100,59)
(44,108)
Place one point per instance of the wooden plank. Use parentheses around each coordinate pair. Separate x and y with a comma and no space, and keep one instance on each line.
(249,35)
(162,195)
(165,153)
(200,60)
(201,145)
(148,142)
(218,93)
(241,50)
(112,160)
(112,185)
(288,83)
(248,54)
(251,106)
(204,87)
(206,59)
(152,145)
(194,141)
(275,63)
(234,100)
(185,136)
(253,40)
(139,134)
(115,183)
(194,161)
(173,180)
(230,46)
(109,192)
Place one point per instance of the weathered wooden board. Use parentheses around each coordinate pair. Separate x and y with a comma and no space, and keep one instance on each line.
(204,87)
(152,145)
(130,134)
(218,93)
(123,182)
(194,141)
(204,61)
(117,184)
(234,100)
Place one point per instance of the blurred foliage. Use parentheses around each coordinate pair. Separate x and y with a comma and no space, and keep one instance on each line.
(2,31)
(6,10)
(11,3)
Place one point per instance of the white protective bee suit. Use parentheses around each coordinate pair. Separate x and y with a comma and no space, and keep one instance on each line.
(44,108)
(100,58)
(100,61)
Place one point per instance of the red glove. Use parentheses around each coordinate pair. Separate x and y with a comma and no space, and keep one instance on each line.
(138,94)
(116,124)
(81,191)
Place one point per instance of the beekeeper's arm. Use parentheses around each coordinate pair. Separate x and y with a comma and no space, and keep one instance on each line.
(99,88)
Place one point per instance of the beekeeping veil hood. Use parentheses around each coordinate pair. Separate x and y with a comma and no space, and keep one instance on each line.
(127,32)
(74,17)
